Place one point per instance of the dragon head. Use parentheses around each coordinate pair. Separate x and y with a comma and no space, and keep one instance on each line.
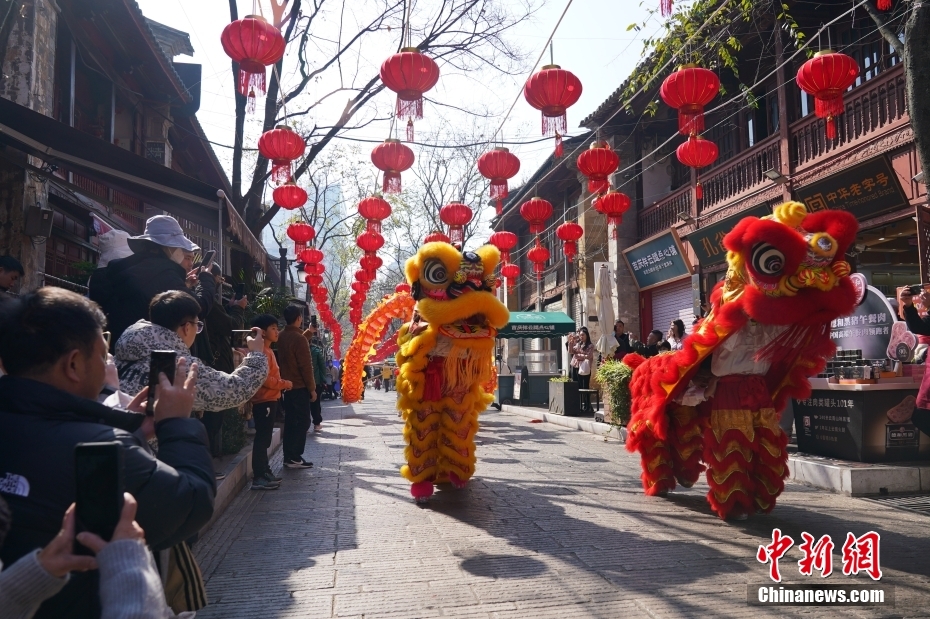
(455,289)
(788,268)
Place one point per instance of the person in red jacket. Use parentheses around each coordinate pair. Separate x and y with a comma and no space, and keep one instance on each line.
(265,408)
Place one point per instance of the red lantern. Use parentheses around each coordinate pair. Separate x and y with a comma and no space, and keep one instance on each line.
(569,233)
(498,165)
(314,280)
(282,146)
(597,163)
(410,73)
(374,209)
(697,153)
(289,196)
(311,256)
(314,269)
(359,287)
(511,272)
(363,276)
(883,5)
(402,287)
(688,90)
(320,294)
(392,158)
(371,262)
(613,204)
(369,241)
(436,237)
(254,44)
(536,211)
(504,241)
(301,234)
(825,77)
(553,90)
(538,255)
(456,216)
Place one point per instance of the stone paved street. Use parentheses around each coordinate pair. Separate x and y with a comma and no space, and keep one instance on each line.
(554,524)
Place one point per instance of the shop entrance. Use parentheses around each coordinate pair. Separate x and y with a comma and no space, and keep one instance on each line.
(887,255)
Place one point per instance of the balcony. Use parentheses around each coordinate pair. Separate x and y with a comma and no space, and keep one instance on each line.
(877,106)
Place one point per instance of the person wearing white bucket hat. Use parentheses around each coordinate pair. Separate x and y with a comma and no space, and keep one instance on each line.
(155,266)
(113,246)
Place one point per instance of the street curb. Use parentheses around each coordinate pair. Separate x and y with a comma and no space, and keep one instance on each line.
(238,473)
(585,425)
(856,479)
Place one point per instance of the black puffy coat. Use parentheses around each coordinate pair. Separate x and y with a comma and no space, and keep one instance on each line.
(41,425)
(133,281)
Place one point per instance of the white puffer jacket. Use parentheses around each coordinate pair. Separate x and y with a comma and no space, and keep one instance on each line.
(216,391)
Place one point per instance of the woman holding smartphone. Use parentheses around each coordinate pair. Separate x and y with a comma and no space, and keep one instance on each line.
(582,351)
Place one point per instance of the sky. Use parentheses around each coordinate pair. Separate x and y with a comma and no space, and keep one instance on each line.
(592,42)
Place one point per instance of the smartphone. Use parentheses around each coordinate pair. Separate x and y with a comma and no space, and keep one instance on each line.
(240,291)
(98,472)
(208,259)
(915,289)
(160,361)
(238,338)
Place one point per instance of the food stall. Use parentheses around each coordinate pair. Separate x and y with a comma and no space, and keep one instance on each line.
(860,408)
(534,367)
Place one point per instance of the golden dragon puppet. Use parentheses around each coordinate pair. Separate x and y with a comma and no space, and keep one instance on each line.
(715,404)
(445,362)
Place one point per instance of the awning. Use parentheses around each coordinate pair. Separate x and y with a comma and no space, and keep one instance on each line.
(163,188)
(528,325)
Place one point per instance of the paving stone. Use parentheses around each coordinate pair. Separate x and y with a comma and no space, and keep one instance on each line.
(554,525)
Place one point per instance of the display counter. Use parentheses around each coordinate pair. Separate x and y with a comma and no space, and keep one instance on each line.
(861,422)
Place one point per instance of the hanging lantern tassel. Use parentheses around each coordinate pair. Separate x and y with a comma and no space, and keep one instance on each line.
(614,221)
(829,109)
(410,130)
(250,102)
(391,182)
(559,149)
(570,249)
(499,207)
(665,6)
(831,127)
(884,5)
(281,171)
(699,191)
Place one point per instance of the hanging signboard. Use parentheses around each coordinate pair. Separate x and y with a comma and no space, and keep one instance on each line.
(865,190)
(707,242)
(657,260)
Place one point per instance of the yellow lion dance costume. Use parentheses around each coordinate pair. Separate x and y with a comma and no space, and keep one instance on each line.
(446,363)
(715,403)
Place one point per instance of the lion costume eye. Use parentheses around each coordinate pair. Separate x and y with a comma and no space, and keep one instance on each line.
(434,272)
(767,259)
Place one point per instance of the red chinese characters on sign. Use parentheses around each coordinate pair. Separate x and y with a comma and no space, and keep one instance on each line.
(775,551)
(860,554)
(817,556)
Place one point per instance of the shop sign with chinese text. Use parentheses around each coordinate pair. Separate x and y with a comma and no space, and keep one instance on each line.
(657,260)
(865,190)
(868,328)
(707,242)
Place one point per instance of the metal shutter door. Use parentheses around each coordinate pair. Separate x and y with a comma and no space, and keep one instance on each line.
(670,303)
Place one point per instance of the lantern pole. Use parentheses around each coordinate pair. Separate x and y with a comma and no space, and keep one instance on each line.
(283,252)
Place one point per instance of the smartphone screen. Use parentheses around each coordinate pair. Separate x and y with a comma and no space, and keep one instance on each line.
(240,291)
(160,361)
(98,469)
(208,259)
(239,338)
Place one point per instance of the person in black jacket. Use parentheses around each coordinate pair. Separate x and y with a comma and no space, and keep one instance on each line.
(919,325)
(154,267)
(53,351)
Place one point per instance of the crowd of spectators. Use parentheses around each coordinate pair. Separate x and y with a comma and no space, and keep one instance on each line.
(77,370)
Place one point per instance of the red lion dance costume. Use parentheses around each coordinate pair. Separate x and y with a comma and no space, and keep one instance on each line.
(714,404)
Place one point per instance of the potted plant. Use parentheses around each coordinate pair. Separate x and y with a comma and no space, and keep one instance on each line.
(563,397)
(614,377)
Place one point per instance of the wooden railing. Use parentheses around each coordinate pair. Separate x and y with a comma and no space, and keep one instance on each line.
(661,215)
(871,107)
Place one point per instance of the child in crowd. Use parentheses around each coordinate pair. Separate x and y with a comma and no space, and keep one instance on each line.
(265,408)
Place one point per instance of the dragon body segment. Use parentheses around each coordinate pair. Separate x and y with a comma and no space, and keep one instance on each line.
(715,404)
(445,362)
